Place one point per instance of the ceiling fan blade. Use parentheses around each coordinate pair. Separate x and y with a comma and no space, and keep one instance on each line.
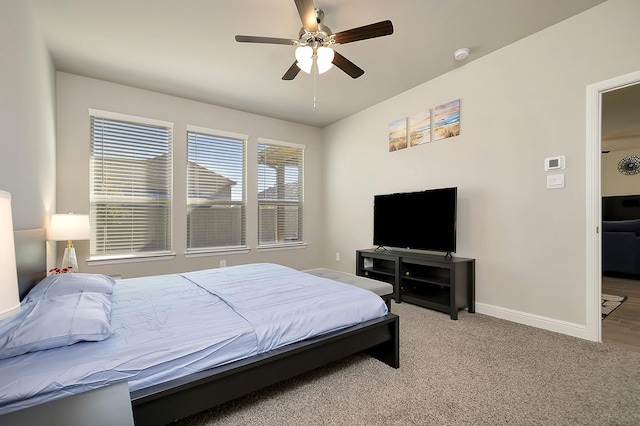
(266,40)
(307,12)
(346,65)
(291,72)
(378,29)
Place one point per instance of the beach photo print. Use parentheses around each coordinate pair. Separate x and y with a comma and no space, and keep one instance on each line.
(420,128)
(447,120)
(398,135)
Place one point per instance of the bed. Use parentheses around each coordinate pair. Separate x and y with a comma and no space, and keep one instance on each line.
(174,380)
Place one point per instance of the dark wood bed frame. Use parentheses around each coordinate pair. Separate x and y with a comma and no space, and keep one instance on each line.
(179,398)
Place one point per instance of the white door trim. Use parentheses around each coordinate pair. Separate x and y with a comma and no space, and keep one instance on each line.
(594,200)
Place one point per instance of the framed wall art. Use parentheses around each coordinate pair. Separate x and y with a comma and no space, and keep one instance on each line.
(420,128)
(398,135)
(447,120)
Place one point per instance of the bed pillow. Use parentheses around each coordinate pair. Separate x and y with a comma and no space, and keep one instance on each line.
(55,322)
(61,284)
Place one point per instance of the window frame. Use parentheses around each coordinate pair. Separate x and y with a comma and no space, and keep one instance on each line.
(132,256)
(278,245)
(242,247)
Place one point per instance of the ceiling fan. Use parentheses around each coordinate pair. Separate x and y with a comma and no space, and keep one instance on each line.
(316,41)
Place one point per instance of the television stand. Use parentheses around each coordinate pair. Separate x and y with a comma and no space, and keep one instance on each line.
(445,284)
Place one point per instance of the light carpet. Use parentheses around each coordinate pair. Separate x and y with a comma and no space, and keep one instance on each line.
(478,370)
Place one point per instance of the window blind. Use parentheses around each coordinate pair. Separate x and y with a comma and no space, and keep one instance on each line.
(130,186)
(280,193)
(215,190)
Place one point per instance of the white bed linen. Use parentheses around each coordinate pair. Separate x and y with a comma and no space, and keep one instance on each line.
(169,326)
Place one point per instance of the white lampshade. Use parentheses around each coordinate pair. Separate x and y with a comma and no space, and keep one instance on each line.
(9,293)
(304,56)
(66,227)
(325,58)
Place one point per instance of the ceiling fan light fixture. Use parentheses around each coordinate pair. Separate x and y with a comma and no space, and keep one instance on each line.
(305,66)
(304,56)
(325,59)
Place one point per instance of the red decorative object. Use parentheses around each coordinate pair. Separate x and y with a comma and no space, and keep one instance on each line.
(66,270)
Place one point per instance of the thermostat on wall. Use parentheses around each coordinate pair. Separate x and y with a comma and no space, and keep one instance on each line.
(554,163)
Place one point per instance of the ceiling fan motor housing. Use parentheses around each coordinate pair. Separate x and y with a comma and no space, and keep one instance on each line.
(322,37)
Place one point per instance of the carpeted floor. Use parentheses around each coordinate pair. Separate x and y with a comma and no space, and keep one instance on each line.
(478,370)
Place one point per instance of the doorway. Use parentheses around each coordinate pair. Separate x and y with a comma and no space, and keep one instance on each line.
(594,197)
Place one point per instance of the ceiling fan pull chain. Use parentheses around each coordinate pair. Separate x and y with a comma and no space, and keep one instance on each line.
(315,77)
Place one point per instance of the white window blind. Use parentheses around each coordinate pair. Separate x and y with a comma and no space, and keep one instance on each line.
(215,189)
(130,186)
(280,193)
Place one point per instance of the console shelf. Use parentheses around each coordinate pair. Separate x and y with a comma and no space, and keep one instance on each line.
(427,280)
(371,271)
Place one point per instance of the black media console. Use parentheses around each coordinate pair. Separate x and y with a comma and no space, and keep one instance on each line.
(431,281)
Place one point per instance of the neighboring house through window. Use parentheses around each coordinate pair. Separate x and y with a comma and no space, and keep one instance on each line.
(216,163)
(130,186)
(280,193)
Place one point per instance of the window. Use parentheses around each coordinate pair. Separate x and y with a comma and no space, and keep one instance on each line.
(130,186)
(280,193)
(215,189)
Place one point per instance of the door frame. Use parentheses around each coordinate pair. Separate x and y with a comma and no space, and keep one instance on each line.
(594,198)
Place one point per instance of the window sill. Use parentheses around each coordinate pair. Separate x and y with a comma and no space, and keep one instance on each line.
(113,260)
(284,246)
(216,252)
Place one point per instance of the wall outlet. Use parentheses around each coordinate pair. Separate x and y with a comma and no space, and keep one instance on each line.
(223,263)
(337,256)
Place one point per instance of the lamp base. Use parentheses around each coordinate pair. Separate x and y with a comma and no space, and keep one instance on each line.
(69,259)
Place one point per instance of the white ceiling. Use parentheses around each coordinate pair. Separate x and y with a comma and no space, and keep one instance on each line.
(187,48)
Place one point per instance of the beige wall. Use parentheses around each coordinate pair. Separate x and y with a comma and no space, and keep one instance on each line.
(27,117)
(519,105)
(75,95)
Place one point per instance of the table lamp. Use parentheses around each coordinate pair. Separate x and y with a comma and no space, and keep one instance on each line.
(69,227)
(9,293)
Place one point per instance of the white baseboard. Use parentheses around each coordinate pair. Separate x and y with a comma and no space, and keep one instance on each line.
(558,326)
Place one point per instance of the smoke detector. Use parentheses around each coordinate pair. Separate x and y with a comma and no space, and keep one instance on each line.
(461,54)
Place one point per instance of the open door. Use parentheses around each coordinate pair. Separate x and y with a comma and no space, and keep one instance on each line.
(594,198)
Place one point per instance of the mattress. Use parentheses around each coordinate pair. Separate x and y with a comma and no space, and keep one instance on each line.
(169,326)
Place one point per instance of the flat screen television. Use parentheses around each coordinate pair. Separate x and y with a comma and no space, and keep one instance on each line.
(424,220)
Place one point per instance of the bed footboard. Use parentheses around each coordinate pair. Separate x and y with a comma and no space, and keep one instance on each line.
(164,403)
